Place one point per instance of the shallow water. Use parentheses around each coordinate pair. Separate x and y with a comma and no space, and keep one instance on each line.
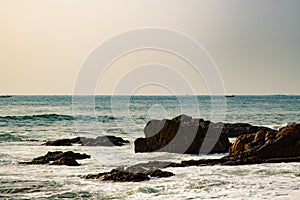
(27,121)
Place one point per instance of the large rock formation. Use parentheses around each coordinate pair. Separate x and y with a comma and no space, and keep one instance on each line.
(98,141)
(265,146)
(270,144)
(59,158)
(183,134)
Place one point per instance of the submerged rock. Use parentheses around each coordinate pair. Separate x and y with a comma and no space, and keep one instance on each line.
(63,142)
(60,158)
(66,161)
(98,141)
(232,161)
(118,176)
(134,173)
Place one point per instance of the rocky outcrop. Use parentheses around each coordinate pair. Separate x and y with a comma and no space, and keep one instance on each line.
(271,144)
(135,173)
(183,134)
(63,142)
(69,161)
(265,146)
(118,176)
(237,129)
(59,158)
(261,147)
(98,141)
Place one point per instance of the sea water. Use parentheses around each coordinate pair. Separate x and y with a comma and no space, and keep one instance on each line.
(28,121)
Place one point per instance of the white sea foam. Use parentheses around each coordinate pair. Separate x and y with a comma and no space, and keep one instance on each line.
(276,126)
(264,181)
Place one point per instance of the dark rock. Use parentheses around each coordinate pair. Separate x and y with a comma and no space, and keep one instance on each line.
(237,129)
(119,176)
(160,174)
(63,142)
(201,162)
(282,160)
(134,173)
(233,160)
(261,147)
(99,141)
(104,141)
(66,161)
(183,134)
(60,158)
(284,143)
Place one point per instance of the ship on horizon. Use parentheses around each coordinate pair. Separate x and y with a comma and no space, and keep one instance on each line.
(5,96)
(230,96)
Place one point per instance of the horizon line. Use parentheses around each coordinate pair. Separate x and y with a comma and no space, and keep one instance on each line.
(276,94)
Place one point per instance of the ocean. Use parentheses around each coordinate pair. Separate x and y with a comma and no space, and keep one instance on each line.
(28,121)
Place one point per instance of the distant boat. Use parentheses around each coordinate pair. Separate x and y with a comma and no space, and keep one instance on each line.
(230,96)
(5,96)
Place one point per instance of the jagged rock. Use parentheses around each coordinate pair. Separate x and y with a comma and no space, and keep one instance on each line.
(237,129)
(135,173)
(265,146)
(104,141)
(64,142)
(119,176)
(160,174)
(284,143)
(60,158)
(261,147)
(183,134)
(125,176)
(66,161)
(98,141)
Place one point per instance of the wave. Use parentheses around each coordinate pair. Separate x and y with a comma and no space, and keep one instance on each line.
(36,117)
(54,117)
(6,137)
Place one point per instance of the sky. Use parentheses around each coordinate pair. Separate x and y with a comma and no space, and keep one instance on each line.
(255,44)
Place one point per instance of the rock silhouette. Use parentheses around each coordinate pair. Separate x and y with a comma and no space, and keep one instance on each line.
(59,158)
(135,173)
(98,141)
(182,134)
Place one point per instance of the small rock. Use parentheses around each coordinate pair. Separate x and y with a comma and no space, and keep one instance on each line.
(158,173)
(119,176)
(134,173)
(66,161)
(98,141)
(59,158)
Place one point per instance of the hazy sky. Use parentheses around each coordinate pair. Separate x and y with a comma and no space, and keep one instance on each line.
(255,43)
